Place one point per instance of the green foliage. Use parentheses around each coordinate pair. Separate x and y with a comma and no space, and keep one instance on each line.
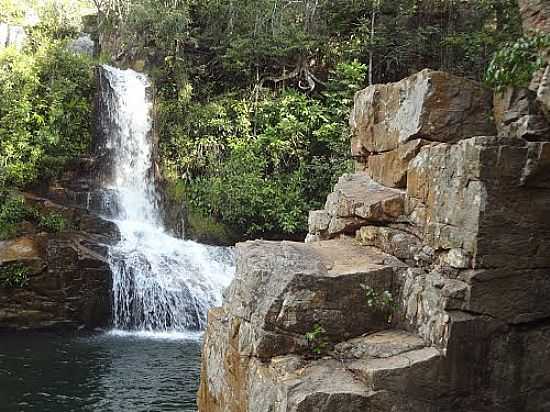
(255,95)
(316,341)
(383,302)
(45,111)
(53,222)
(259,164)
(12,212)
(14,276)
(206,229)
(516,62)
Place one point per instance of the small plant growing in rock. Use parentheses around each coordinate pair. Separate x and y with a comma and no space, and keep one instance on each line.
(383,302)
(14,276)
(12,212)
(316,341)
(53,223)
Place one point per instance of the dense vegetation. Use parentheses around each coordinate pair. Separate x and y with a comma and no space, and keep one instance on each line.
(252,95)
(46,107)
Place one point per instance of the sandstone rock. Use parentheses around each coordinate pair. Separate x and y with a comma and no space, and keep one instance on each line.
(457,258)
(514,296)
(536,172)
(69,283)
(519,114)
(535,15)
(382,344)
(356,201)
(445,194)
(232,382)
(542,88)
(318,221)
(302,286)
(426,297)
(431,105)
(470,330)
(390,168)
(395,242)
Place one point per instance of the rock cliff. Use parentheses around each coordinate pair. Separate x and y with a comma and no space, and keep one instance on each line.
(424,284)
(68,278)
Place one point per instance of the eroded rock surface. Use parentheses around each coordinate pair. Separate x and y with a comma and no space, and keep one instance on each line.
(427,269)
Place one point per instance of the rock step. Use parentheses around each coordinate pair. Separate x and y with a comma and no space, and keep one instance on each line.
(381,367)
(356,201)
(304,286)
(378,345)
(347,256)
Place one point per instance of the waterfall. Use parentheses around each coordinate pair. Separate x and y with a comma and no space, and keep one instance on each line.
(160,283)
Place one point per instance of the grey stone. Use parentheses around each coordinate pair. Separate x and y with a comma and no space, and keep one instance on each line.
(12,36)
(83,45)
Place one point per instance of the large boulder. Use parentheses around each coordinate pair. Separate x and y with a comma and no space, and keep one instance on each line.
(519,114)
(282,291)
(459,218)
(430,105)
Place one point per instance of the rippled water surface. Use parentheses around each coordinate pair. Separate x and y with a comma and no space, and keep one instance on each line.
(101,373)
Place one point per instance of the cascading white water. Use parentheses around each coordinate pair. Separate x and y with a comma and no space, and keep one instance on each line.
(160,283)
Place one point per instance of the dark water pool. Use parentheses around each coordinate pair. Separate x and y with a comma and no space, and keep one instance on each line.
(99,373)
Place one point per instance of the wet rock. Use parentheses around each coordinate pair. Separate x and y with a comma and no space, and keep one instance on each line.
(69,277)
(69,284)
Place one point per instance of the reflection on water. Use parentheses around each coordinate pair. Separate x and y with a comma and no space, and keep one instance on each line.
(102,373)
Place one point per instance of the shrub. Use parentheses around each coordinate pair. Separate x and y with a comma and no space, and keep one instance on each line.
(53,222)
(258,165)
(45,112)
(316,341)
(516,62)
(382,302)
(12,212)
(14,276)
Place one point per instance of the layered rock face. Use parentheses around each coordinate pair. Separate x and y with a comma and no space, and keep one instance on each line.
(69,278)
(425,281)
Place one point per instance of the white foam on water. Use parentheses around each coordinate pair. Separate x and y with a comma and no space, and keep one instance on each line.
(194,336)
(162,286)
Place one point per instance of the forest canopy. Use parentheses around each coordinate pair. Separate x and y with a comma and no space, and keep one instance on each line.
(252,96)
